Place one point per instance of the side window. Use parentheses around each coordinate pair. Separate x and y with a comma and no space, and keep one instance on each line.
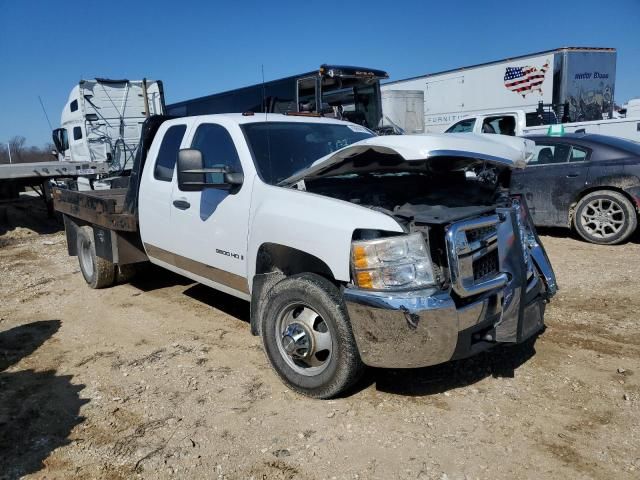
(534,119)
(73,106)
(505,125)
(464,126)
(550,154)
(168,153)
(578,154)
(77,133)
(217,149)
(490,125)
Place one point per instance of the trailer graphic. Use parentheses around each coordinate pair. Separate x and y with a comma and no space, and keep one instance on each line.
(523,80)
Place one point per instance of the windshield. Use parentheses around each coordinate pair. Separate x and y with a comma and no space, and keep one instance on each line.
(281,149)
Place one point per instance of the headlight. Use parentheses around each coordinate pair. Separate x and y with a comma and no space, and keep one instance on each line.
(393,263)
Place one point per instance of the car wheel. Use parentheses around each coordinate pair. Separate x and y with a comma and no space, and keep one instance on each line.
(97,271)
(307,336)
(605,217)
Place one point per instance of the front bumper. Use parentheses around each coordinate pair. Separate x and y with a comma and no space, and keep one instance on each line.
(423,328)
(428,327)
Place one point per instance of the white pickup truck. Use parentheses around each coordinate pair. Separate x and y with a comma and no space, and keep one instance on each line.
(354,250)
(517,122)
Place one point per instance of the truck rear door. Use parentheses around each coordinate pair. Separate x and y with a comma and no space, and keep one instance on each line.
(156,191)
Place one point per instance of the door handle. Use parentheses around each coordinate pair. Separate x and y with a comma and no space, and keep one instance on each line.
(572,175)
(181,204)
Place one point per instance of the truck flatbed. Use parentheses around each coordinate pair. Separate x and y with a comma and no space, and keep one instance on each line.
(99,207)
(53,169)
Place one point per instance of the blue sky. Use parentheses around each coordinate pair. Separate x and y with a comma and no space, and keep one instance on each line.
(202,47)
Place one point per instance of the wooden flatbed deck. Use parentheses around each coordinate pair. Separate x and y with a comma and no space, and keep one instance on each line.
(100,207)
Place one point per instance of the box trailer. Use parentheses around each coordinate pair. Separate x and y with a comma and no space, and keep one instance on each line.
(575,83)
(403,111)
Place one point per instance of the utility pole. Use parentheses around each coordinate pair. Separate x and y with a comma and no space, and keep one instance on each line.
(9,148)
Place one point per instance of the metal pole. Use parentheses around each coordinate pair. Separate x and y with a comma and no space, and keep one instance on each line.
(9,148)
(146,97)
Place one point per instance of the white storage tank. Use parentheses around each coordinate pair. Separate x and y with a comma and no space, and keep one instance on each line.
(404,109)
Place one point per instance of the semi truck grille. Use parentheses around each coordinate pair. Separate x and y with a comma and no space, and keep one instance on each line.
(472,250)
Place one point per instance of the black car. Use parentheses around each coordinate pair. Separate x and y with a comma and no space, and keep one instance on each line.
(584,181)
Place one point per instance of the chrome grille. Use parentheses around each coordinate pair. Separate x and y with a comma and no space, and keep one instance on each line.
(482,233)
(472,249)
(486,266)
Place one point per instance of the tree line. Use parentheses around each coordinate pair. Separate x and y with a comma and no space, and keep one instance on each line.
(21,153)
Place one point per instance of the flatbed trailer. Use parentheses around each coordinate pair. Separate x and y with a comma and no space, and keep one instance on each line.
(100,207)
(15,176)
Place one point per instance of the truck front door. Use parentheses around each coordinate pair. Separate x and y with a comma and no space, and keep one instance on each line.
(212,225)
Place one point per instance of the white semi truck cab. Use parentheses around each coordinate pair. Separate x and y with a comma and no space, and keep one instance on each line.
(353,249)
(102,120)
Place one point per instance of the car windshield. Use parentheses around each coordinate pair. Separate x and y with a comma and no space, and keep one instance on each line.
(281,149)
(619,143)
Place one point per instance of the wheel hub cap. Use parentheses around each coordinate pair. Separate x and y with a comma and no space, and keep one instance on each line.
(297,341)
(303,338)
(602,218)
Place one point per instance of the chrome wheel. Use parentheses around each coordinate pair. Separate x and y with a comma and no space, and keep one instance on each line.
(85,257)
(303,339)
(602,218)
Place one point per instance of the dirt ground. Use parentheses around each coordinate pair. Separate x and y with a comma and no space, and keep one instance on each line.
(162,379)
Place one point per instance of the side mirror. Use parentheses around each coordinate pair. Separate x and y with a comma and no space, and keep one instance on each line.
(91,117)
(193,177)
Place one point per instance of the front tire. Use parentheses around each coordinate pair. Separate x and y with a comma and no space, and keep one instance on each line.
(605,217)
(97,271)
(307,336)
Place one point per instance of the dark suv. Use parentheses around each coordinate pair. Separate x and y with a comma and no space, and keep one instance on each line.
(585,181)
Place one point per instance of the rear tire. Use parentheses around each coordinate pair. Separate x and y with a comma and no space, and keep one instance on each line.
(605,217)
(307,336)
(97,271)
(126,273)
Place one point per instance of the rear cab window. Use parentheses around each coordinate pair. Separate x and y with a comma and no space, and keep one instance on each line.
(77,133)
(168,153)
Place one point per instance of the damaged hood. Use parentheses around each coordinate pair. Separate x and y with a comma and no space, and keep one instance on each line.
(500,150)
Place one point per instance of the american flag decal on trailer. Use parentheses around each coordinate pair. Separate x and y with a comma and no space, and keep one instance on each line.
(524,80)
